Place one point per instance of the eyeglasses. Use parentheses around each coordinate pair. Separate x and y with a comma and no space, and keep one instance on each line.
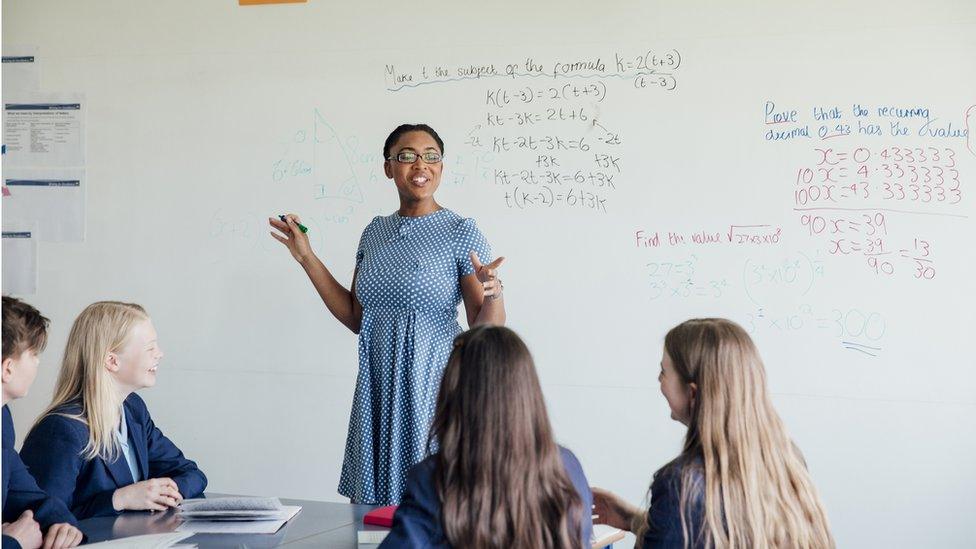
(409,157)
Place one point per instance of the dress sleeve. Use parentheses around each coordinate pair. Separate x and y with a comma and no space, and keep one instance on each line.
(468,238)
(361,249)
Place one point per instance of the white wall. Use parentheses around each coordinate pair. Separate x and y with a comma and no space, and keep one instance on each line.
(193,106)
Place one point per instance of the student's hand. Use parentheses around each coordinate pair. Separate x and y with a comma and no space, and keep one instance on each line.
(62,536)
(488,275)
(293,238)
(611,509)
(25,530)
(156,494)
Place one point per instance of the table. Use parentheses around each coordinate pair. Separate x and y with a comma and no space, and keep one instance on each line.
(319,524)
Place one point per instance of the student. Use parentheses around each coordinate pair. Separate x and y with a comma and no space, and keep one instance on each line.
(739,482)
(96,446)
(27,510)
(497,478)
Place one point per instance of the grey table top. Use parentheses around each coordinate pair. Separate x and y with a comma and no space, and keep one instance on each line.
(319,524)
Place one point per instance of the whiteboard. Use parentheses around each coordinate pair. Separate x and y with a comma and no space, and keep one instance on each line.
(692,147)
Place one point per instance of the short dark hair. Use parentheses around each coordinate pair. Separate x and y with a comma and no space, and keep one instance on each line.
(407,128)
(24,328)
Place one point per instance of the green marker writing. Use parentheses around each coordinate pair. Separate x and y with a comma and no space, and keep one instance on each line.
(303,228)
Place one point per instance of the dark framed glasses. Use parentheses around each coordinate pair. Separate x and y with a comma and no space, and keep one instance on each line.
(409,157)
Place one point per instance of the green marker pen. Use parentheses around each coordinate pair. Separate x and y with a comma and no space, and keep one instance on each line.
(303,228)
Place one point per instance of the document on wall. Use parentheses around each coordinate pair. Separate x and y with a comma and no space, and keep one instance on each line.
(19,260)
(52,198)
(44,130)
(21,70)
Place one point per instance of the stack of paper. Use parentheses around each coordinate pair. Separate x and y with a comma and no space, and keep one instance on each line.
(372,535)
(604,535)
(235,515)
(149,541)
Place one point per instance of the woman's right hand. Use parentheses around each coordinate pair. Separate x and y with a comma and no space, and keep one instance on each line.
(25,530)
(292,237)
(155,494)
(611,509)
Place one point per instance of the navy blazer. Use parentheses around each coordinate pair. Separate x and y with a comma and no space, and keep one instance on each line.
(417,522)
(53,452)
(20,491)
(664,516)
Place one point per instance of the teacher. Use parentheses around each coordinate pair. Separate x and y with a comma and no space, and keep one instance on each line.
(413,268)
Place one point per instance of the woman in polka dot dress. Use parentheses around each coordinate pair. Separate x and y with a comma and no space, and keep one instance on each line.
(413,268)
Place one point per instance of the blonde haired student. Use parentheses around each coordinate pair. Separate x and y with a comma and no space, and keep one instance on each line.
(497,479)
(96,446)
(739,482)
(27,510)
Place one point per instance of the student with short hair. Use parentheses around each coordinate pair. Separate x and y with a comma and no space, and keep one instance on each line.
(27,510)
(495,477)
(739,481)
(96,446)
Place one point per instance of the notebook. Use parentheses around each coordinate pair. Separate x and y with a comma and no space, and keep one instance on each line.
(381,516)
(604,535)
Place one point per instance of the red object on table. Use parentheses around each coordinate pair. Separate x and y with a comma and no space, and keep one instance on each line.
(381,516)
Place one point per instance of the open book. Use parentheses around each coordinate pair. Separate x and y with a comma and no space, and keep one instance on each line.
(231,508)
(235,515)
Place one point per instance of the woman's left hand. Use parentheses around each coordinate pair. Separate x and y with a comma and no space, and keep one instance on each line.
(488,276)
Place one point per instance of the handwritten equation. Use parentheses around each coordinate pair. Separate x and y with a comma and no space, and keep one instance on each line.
(679,279)
(820,123)
(847,197)
(866,234)
(546,197)
(538,124)
(858,331)
(886,176)
(506,97)
(756,235)
(651,69)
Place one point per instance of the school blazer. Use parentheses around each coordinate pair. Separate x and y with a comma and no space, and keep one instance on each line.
(417,522)
(20,490)
(664,516)
(53,452)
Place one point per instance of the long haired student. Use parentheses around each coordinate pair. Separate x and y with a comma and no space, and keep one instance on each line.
(739,482)
(96,447)
(497,479)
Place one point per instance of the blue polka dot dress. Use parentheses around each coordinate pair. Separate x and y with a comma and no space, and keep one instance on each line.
(408,284)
